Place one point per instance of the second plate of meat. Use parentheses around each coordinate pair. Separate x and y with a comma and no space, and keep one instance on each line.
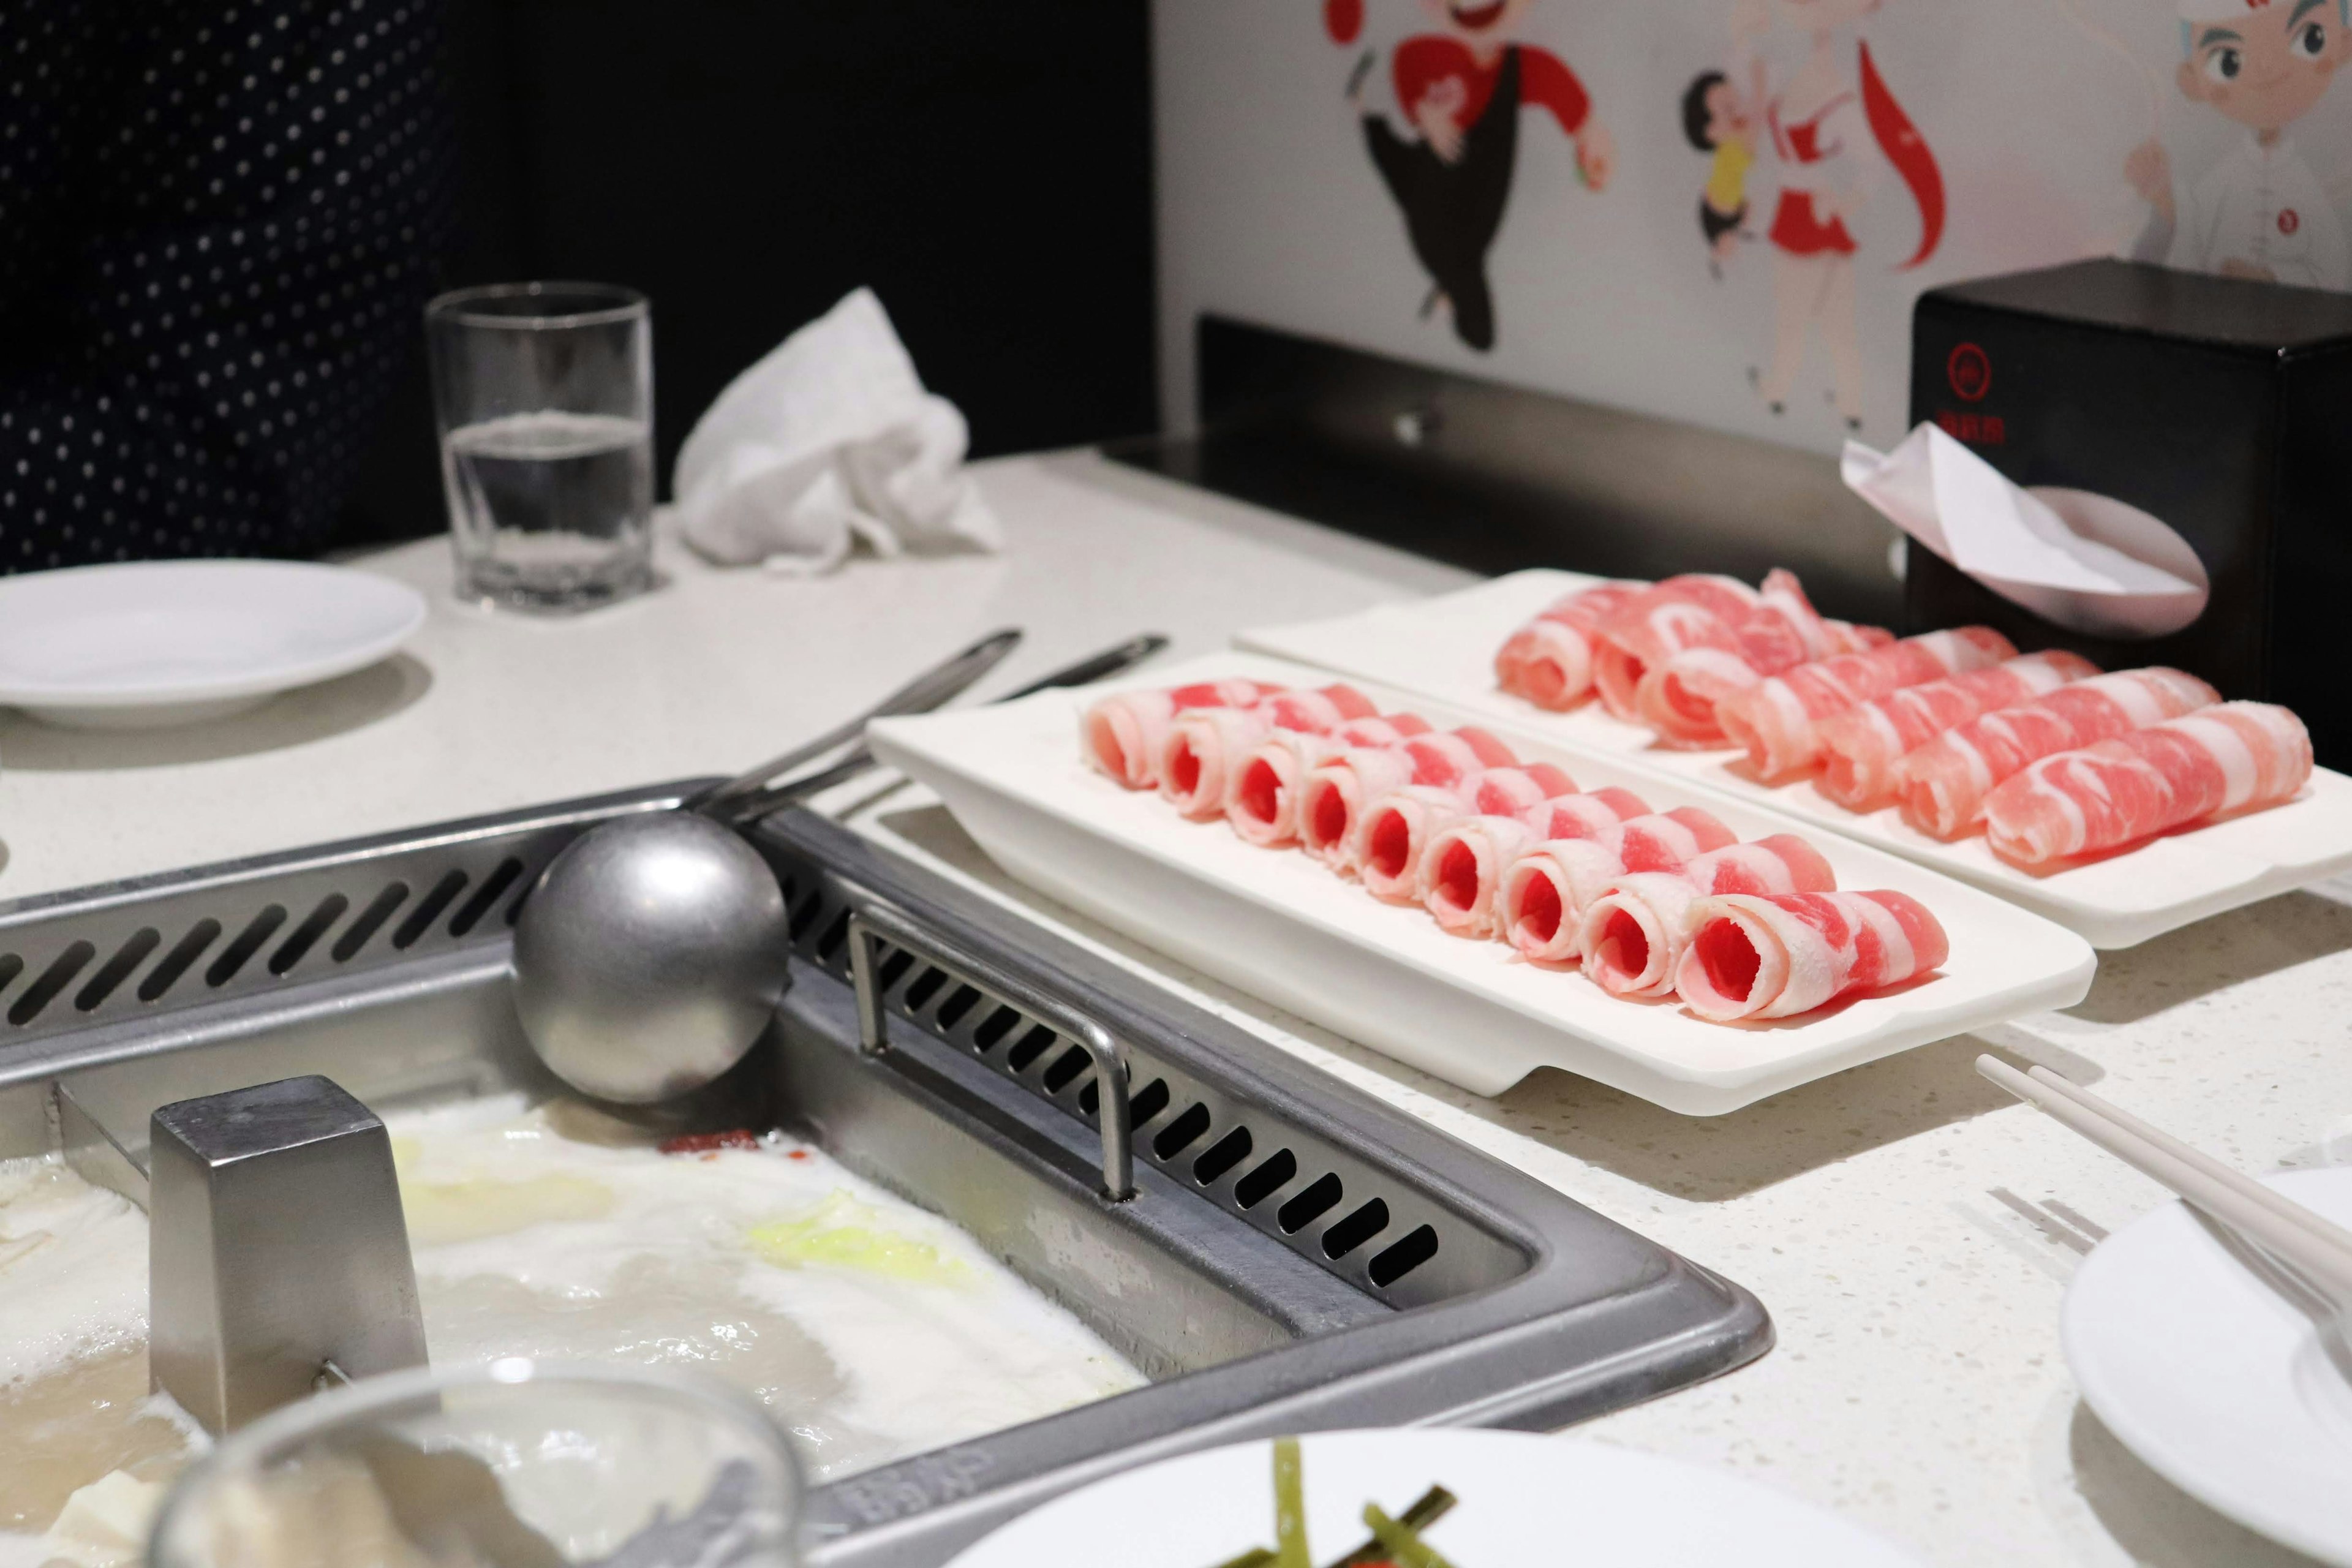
(1815,952)
(1445,648)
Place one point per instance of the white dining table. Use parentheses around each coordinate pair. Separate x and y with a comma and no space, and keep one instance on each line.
(1911,1229)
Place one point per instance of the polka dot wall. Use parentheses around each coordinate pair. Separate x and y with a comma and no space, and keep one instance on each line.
(218,224)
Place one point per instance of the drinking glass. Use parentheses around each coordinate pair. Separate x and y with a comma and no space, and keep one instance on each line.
(518,1464)
(544,396)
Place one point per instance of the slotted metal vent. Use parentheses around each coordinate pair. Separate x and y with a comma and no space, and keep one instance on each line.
(1324,1204)
(167,942)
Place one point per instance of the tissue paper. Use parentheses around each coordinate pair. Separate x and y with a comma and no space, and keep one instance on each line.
(829,439)
(2086,562)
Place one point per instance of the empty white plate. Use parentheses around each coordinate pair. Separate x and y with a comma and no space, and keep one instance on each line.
(2220,1384)
(1518,1500)
(151,643)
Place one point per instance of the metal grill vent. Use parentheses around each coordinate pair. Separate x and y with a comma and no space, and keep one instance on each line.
(1322,1202)
(168,942)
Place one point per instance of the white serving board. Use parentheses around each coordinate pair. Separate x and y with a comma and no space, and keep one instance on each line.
(1444,648)
(1276,923)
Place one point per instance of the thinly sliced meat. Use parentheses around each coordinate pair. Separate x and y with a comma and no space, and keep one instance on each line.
(1549,661)
(1678,696)
(1505,792)
(1692,611)
(2236,756)
(1332,798)
(1317,712)
(1634,934)
(1463,868)
(1667,840)
(1776,956)
(1592,815)
(1394,831)
(1861,746)
(1541,899)
(1263,794)
(1123,734)
(1450,757)
(1943,784)
(1779,721)
(1202,749)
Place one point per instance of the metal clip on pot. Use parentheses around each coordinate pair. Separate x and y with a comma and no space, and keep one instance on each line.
(874,924)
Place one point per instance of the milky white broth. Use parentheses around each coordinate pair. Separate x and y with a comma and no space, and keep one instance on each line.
(872,1328)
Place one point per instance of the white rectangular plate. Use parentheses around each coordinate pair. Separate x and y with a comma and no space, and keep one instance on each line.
(1444,648)
(1276,923)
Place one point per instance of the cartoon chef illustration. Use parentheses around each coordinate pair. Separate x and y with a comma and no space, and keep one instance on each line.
(1462,87)
(2258,213)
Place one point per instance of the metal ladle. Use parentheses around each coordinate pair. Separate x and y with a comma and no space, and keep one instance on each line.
(654,947)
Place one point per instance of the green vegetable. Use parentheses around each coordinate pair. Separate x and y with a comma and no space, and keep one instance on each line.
(1290,1507)
(1402,1544)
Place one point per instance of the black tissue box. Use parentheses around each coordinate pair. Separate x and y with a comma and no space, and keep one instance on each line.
(2223,407)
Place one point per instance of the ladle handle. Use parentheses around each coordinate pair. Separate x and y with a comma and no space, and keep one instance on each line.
(921,695)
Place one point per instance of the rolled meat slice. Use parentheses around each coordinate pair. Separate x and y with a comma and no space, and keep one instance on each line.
(1204,746)
(1540,901)
(1332,798)
(1549,661)
(1778,955)
(1667,840)
(1779,721)
(1262,795)
(1690,611)
(1678,698)
(1634,934)
(1463,869)
(1450,757)
(1591,815)
(1861,746)
(1496,792)
(1124,734)
(2236,756)
(1394,831)
(1943,784)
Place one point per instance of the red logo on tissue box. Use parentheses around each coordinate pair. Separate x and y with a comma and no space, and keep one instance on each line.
(1970,370)
(1979,429)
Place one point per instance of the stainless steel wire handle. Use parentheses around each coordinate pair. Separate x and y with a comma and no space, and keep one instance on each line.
(874,923)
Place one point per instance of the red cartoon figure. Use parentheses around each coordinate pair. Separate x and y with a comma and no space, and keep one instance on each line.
(1823,122)
(1462,87)
(2260,212)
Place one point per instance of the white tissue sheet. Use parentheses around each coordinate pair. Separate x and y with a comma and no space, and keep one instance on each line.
(2087,561)
(830,439)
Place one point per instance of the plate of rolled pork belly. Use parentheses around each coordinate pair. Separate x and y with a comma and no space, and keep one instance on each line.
(2119,803)
(1479,906)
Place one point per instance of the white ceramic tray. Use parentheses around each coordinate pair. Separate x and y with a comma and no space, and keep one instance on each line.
(1277,924)
(1444,648)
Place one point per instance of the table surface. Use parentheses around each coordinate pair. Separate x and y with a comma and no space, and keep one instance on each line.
(1911,1229)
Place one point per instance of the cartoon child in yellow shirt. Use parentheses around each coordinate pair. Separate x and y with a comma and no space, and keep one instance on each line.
(1717,119)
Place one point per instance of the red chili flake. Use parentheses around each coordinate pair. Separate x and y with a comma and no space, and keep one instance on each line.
(710,1143)
(797,1154)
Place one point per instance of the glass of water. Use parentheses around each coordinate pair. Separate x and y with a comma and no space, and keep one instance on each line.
(544,394)
(518,1464)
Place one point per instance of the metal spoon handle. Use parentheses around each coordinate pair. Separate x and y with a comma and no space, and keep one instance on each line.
(925,692)
(1097,667)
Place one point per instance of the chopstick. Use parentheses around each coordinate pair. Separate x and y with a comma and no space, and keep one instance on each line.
(2305,1241)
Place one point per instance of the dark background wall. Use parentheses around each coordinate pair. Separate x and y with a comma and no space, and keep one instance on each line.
(986,168)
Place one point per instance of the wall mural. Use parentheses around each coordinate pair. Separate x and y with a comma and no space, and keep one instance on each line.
(1721,210)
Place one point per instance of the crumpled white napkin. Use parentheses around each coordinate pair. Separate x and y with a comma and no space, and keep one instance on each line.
(2085,560)
(829,439)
